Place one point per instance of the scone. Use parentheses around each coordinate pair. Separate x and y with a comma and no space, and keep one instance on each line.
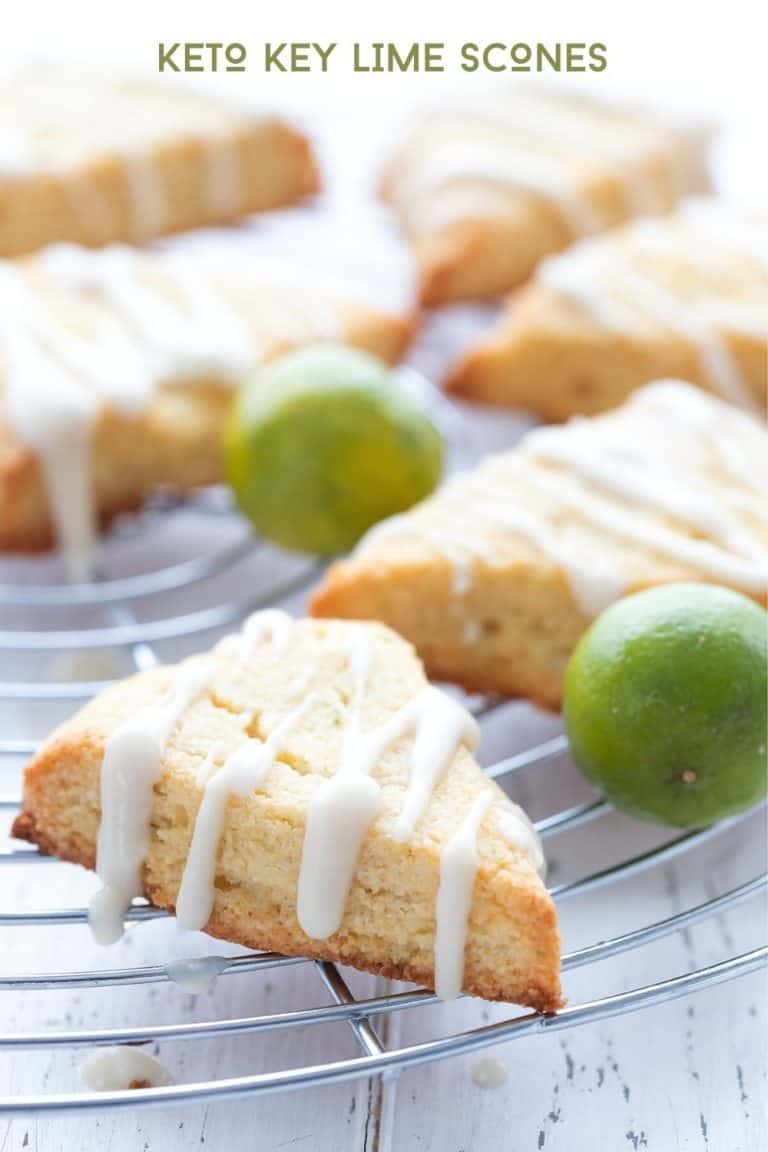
(495,578)
(117,371)
(94,160)
(302,788)
(683,296)
(486,188)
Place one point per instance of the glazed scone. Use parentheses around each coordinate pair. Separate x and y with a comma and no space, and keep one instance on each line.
(683,296)
(496,577)
(117,371)
(94,160)
(485,189)
(303,789)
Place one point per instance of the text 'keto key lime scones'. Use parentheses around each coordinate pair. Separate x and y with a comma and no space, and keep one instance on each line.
(117,372)
(486,188)
(302,788)
(93,160)
(495,578)
(685,296)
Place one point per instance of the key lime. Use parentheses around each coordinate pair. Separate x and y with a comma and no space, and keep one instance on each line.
(665,703)
(323,443)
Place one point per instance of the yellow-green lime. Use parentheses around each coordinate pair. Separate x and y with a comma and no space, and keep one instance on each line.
(322,444)
(665,703)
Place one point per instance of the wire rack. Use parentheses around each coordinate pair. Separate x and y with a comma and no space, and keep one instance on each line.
(115,600)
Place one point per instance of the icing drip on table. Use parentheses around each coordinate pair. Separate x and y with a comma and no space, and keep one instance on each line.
(489,1073)
(606,277)
(458,866)
(119,1068)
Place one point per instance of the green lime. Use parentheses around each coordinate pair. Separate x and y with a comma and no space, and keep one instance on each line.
(323,443)
(665,703)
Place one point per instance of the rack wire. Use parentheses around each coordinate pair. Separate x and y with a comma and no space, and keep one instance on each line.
(118,596)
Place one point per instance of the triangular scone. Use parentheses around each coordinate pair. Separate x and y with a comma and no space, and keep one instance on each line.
(303,789)
(117,372)
(94,159)
(486,188)
(683,296)
(495,578)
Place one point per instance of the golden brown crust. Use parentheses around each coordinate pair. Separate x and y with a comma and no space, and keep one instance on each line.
(512,950)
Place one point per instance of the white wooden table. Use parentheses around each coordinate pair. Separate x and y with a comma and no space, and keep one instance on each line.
(688,1074)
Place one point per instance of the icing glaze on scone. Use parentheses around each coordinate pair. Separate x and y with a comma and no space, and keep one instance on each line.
(486,188)
(341,811)
(683,296)
(88,333)
(680,274)
(495,577)
(605,457)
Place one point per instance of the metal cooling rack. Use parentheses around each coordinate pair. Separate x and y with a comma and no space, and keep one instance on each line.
(117,598)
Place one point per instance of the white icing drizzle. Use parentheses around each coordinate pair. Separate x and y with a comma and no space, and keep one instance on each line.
(623,141)
(338,818)
(241,775)
(519,832)
(440,726)
(58,382)
(604,276)
(197,974)
(191,338)
(133,123)
(544,175)
(271,626)
(345,805)
(627,472)
(133,759)
(460,550)
(750,575)
(594,586)
(119,1068)
(50,411)
(458,866)
(639,468)
(704,416)
(339,815)
(147,195)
